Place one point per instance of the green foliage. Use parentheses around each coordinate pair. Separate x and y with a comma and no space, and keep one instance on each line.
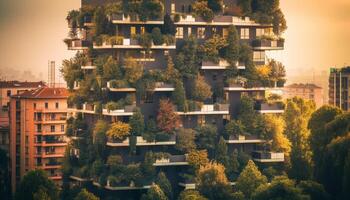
(168,26)
(86,195)
(137,123)
(133,70)
(201,89)
(232,49)
(206,137)
(154,193)
(71,69)
(211,47)
(179,97)
(164,184)
(5,186)
(185,140)
(97,168)
(235,128)
(200,8)
(315,190)
(167,119)
(186,60)
(108,68)
(246,6)
(99,137)
(32,183)
(150,10)
(250,179)
(280,188)
(197,158)
(215,5)
(147,168)
(191,195)
(221,152)
(102,24)
(247,114)
(157,36)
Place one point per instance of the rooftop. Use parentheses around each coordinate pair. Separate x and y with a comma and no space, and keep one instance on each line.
(20,84)
(302,85)
(44,93)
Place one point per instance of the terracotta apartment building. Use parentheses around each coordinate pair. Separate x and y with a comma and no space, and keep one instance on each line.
(339,93)
(37,128)
(8,88)
(306,91)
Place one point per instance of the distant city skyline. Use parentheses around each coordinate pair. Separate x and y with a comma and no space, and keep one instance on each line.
(315,40)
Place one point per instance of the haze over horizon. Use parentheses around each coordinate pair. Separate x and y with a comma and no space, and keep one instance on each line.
(32,32)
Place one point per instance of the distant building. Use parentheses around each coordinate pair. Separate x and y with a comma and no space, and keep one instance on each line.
(339,83)
(8,88)
(37,128)
(306,91)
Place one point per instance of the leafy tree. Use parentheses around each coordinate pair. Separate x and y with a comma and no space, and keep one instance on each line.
(319,137)
(232,49)
(315,190)
(201,90)
(137,123)
(215,5)
(154,193)
(172,75)
(234,128)
(206,138)
(133,70)
(211,48)
(97,168)
(71,69)
(186,60)
(197,158)
(168,26)
(221,153)
(119,130)
(179,96)
(191,195)
(279,22)
(246,6)
(212,182)
(247,114)
(167,119)
(277,72)
(99,137)
(233,167)
(280,188)
(185,140)
(164,185)
(41,194)
(86,195)
(201,9)
(150,10)
(32,183)
(5,186)
(157,36)
(147,168)
(249,179)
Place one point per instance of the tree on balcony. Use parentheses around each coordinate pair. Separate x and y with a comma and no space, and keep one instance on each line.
(201,89)
(247,114)
(118,130)
(99,137)
(133,70)
(185,140)
(200,8)
(234,128)
(157,36)
(206,138)
(246,6)
(71,69)
(210,50)
(179,96)
(102,24)
(85,195)
(154,193)
(167,119)
(164,185)
(221,153)
(168,26)
(187,61)
(191,195)
(137,123)
(108,68)
(197,158)
(250,179)
(232,48)
(171,75)
(215,5)
(151,9)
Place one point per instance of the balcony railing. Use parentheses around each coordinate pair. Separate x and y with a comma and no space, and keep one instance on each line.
(265,44)
(208,109)
(262,156)
(126,111)
(173,160)
(218,20)
(133,19)
(222,64)
(130,43)
(140,141)
(244,139)
(78,44)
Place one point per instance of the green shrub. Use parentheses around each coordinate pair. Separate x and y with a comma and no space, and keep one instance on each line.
(177,17)
(162,136)
(157,36)
(119,84)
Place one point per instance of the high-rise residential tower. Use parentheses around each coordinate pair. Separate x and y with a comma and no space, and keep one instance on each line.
(155,82)
(37,132)
(339,93)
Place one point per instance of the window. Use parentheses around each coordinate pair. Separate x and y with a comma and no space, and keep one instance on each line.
(133,30)
(201,32)
(62,128)
(190,9)
(213,30)
(224,32)
(142,29)
(52,128)
(179,32)
(189,31)
(53,116)
(259,56)
(38,128)
(183,8)
(57,105)
(201,119)
(8,93)
(172,8)
(244,33)
(46,105)
(214,77)
(34,105)
(166,52)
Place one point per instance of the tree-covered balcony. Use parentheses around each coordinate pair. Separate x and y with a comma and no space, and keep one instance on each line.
(170,160)
(141,141)
(135,19)
(267,43)
(123,86)
(77,44)
(267,107)
(222,20)
(222,64)
(206,109)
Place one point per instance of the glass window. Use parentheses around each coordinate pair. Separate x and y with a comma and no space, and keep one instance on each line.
(46,105)
(259,56)
(172,8)
(259,32)
(62,128)
(189,31)
(224,32)
(179,32)
(52,128)
(57,105)
(201,32)
(34,105)
(8,93)
(133,30)
(244,33)
(142,29)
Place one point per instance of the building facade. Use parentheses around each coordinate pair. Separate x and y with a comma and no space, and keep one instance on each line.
(37,132)
(8,88)
(129,70)
(339,82)
(306,91)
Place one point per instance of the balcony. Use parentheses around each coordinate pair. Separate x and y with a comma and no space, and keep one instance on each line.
(56,143)
(133,19)
(131,186)
(173,160)
(265,157)
(126,111)
(78,44)
(88,66)
(222,64)
(129,43)
(159,87)
(49,154)
(140,141)
(86,108)
(268,44)
(243,139)
(217,21)
(208,109)
(269,108)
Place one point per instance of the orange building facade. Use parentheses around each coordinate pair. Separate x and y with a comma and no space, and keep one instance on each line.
(37,132)
(306,91)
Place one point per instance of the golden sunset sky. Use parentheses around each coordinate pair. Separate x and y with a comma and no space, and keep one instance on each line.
(32,32)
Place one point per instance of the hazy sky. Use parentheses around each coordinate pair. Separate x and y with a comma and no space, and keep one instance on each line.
(32,32)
